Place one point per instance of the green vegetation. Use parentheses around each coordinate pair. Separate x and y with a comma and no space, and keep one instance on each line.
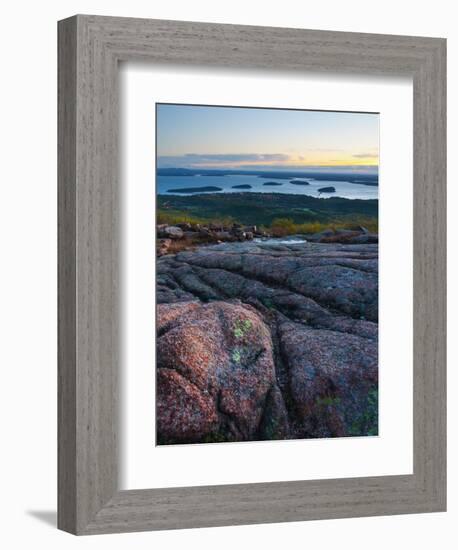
(282,227)
(279,214)
(242,327)
(327,401)
(236,356)
(173,217)
(267,302)
(367,422)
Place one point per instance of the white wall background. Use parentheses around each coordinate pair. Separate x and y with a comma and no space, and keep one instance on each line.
(28,271)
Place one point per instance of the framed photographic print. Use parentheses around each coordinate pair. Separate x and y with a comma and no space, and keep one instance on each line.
(251,275)
(260,336)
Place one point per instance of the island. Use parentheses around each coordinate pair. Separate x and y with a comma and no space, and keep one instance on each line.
(299,182)
(242,186)
(205,189)
(327,190)
(272,183)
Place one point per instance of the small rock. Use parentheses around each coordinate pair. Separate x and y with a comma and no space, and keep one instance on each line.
(223,235)
(359,228)
(185,226)
(347,232)
(215,227)
(171,232)
(163,246)
(369,238)
(342,236)
(316,237)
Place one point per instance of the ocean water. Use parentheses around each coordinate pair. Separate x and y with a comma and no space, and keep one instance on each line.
(343,188)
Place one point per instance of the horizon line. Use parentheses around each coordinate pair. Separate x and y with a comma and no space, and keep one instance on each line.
(265,168)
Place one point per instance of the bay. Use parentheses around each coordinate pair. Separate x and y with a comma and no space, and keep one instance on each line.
(343,188)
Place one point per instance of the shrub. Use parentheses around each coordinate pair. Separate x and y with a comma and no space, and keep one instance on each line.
(172,217)
(282,226)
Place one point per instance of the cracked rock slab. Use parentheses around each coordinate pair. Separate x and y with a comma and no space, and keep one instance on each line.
(267,341)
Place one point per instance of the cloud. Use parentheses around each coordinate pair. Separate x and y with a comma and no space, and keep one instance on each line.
(263,160)
(194,160)
(366,156)
(244,157)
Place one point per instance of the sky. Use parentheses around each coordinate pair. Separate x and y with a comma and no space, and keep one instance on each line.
(190,136)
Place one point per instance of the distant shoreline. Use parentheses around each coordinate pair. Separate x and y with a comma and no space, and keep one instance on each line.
(362,178)
(271,195)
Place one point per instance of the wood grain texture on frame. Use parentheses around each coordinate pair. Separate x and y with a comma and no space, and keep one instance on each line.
(90,48)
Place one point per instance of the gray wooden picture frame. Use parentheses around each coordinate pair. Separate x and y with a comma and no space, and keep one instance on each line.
(90,49)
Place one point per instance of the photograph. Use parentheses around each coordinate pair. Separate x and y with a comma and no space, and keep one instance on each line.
(266,274)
